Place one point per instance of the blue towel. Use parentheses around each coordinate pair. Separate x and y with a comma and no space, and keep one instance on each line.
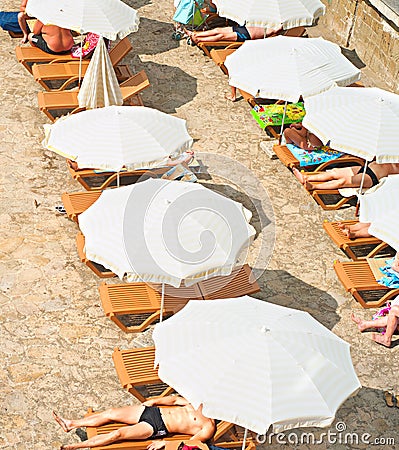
(9,21)
(185,11)
(391,277)
(312,157)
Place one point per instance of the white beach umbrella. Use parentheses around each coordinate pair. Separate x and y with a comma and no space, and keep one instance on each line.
(111,19)
(360,121)
(255,364)
(118,136)
(166,232)
(287,68)
(271,13)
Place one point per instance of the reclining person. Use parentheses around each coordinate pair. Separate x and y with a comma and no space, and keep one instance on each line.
(235,33)
(343,177)
(300,136)
(51,39)
(145,421)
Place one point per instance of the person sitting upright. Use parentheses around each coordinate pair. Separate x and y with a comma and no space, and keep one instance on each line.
(235,33)
(51,39)
(300,136)
(145,421)
(343,177)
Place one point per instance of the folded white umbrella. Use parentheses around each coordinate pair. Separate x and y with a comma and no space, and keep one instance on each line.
(111,19)
(255,364)
(360,121)
(286,68)
(118,136)
(271,13)
(166,232)
(100,86)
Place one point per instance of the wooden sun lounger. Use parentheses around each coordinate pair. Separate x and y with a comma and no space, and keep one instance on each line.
(358,279)
(135,306)
(97,180)
(46,74)
(358,248)
(289,160)
(78,202)
(55,104)
(227,436)
(219,55)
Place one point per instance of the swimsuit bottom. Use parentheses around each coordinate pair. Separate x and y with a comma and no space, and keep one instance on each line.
(371,174)
(152,416)
(242,33)
(39,42)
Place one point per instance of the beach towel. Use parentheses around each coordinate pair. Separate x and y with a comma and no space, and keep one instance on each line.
(311,157)
(391,277)
(270,115)
(9,21)
(87,47)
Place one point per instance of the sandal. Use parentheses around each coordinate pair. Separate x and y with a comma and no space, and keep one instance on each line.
(389,399)
(60,209)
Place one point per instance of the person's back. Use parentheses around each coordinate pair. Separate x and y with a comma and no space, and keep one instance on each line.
(58,39)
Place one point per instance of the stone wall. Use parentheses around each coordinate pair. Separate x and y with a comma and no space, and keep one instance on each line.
(372,29)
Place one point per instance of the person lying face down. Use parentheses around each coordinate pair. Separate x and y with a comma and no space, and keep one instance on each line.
(145,421)
(51,39)
(343,177)
(234,33)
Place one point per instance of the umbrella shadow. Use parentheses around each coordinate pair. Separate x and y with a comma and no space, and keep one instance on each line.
(259,220)
(153,37)
(353,57)
(282,288)
(170,86)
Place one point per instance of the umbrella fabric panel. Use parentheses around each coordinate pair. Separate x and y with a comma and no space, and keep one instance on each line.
(242,353)
(386,228)
(100,86)
(288,67)
(336,116)
(379,200)
(272,13)
(111,19)
(176,219)
(115,137)
(104,237)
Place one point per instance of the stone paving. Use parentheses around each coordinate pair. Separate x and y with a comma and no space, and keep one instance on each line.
(56,343)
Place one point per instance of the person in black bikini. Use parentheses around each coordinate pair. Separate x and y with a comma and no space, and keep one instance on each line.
(343,177)
(145,421)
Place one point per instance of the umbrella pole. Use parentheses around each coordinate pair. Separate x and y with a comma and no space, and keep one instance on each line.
(117,179)
(244,439)
(80,61)
(162,302)
(282,122)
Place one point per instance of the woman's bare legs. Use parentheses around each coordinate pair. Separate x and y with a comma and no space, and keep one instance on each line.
(22,16)
(296,136)
(367,324)
(215,34)
(392,326)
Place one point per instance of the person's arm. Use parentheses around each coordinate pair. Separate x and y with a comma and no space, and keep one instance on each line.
(37,27)
(169,400)
(206,433)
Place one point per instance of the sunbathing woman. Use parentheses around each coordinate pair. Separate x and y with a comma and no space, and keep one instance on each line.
(300,136)
(343,177)
(235,33)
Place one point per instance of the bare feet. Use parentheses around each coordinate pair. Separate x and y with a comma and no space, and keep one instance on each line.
(359,322)
(230,97)
(299,175)
(381,339)
(63,423)
(308,185)
(24,40)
